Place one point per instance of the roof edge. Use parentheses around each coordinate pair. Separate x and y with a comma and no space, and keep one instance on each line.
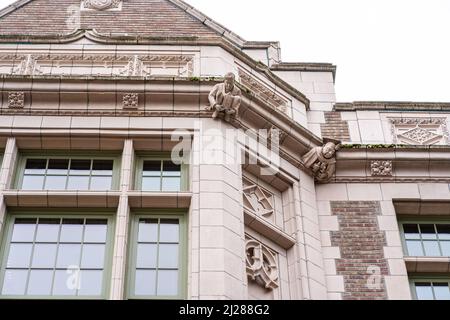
(305,66)
(391,106)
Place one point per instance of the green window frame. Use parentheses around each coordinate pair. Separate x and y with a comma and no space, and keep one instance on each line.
(161,175)
(425,238)
(57,269)
(150,270)
(72,158)
(430,287)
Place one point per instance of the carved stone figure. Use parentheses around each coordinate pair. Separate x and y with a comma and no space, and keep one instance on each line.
(322,160)
(225,98)
(262,265)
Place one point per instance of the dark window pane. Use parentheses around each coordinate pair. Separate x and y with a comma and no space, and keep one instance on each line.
(152,168)
(444,231)
(102,167)
(80,166)
(40,283)
(35,166)
(145,283)
(424,291)
(58,166)
(15,282)
(411,231)
(33,183)
(428,231)
(171,169)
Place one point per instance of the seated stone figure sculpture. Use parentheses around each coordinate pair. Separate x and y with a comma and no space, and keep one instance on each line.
(322,161)
(225,98)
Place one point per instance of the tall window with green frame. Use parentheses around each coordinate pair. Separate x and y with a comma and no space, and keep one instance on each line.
(67,173)
(157,266)
(47,256)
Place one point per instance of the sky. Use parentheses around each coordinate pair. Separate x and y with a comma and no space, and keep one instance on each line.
(385,50)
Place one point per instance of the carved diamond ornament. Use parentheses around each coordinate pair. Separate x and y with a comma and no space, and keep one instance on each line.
(420,131)
(381,168)
(262,264)
(258,200)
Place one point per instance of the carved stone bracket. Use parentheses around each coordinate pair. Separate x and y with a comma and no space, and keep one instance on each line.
(322,160)
(130,101)
(16,100)
(381,168)
(262,265)
(225,99)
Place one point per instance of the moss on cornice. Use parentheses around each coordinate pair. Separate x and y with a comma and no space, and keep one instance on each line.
(388,146)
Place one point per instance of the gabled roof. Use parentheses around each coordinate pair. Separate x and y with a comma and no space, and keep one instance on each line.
(146,18)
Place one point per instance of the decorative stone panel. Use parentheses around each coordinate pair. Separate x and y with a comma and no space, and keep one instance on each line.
(381,168)
(173,65)
(420,131)
(130,101)
(101,5)
(335,127)
(262,265)
(16,100)
(361,243)
(258,200)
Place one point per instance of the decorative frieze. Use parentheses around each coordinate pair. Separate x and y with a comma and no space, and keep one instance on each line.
(16,100)
(130,101)
(101,5)
(97,65)
(262,264)
(263,91)
(420,131)
(381,168)
(258,200)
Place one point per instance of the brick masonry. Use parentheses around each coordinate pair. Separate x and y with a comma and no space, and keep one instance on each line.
(361,245)
(335,127)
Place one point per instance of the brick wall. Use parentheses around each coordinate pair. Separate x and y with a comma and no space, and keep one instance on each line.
(361,245)
(335,127)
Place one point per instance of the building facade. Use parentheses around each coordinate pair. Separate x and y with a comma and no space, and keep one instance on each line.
(150,153)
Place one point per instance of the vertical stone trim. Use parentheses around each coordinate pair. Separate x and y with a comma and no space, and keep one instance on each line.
(122,219)
(361,243)
(335,127)
(6,173)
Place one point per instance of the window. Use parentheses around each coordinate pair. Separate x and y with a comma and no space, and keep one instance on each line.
(431,289)
(426,240)
(55,257)
(158,258)
(66,174)
(156,175)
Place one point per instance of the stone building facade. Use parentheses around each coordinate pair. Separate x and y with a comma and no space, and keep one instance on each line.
(117,183)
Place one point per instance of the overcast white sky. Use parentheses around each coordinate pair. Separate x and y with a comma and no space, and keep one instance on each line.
(384,49)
